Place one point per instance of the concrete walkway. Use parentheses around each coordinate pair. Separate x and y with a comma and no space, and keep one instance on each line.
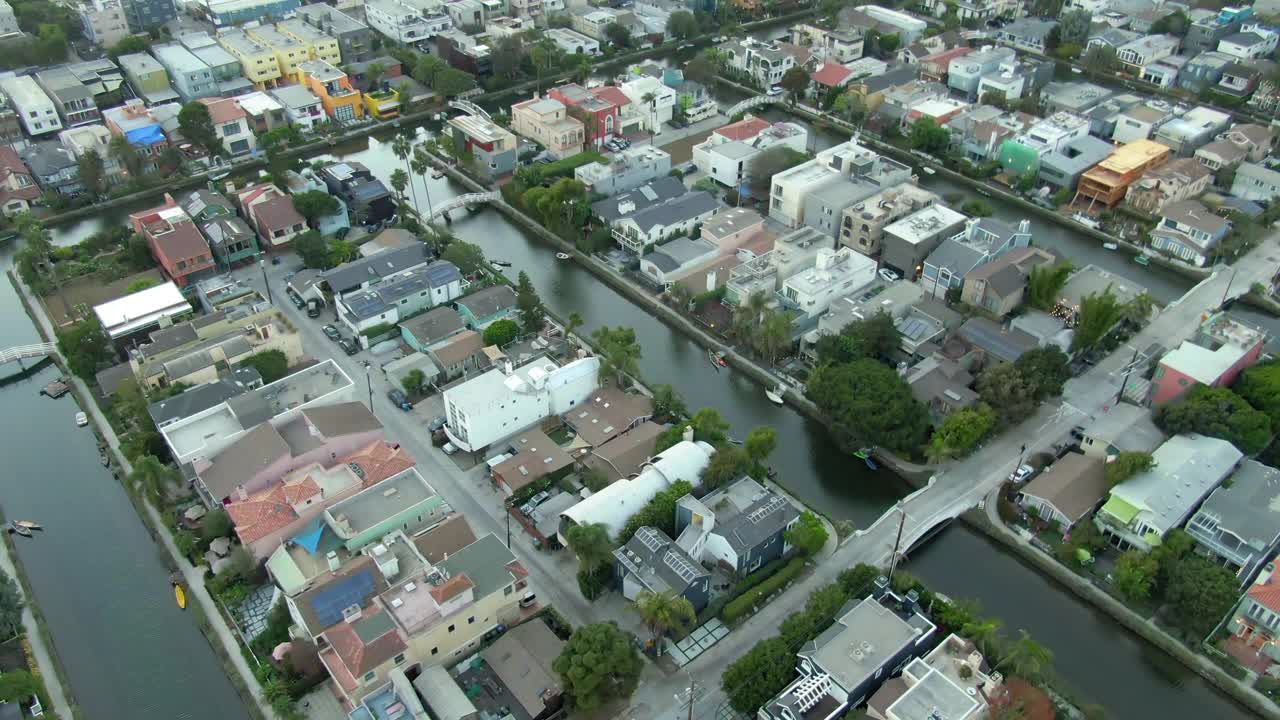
(44,659)
(193,576)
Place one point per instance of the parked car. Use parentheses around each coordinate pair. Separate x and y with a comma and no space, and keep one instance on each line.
(436,423)
(348,346)
(889,275)
(774,91)
(528,600)
(449,448)
(399,399)
(331,332)
(1022,474)
(313,308)
(296,299)
(540,498)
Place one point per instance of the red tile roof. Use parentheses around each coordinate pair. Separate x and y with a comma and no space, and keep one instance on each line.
(223,110)
(451,588)
(357,657)
(612,94)
(744,129)
(270,510)
(379,461)
(831,75)
(11,165)
(1267,593)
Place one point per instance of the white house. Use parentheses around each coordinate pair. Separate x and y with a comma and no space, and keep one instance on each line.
(141,310)
(727,153)
(404,23)
(835,274)
(766,63)
(1254,42)
(656,111)
(1146,50)
(31,104)
(1256,182)
(648,226)
(909,27)
(502,402)
(302,108)
(572,42)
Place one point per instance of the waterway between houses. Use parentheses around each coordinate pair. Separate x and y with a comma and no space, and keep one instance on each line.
(1099,662)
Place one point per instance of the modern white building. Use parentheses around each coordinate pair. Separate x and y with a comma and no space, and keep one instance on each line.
(850,160)
(502,402)
(401,22)
(8,21)
(766,63)
(34,108)
(1255,41)
(141,310)
(1256,182)
(653,113)
(966,73)
(835,274)
(910,28)
(727,153)
(572,42)
(104,22)
(1052,133)
(1147,50)
(301,107)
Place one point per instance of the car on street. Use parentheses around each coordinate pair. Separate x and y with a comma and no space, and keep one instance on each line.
(889,275)
(1022,474)
(399,399)
(313,308)
(297,301)
(774,91)
(331,332)
(348,346)
(436,423)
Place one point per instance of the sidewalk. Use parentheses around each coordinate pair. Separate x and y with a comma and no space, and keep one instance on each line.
(194,579)
(44,660)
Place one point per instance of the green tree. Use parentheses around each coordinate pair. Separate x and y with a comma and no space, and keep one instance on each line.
(808,535)
(153,477)
(766,164)
(93,172)
(128,46)
(86,347)
(1008,393)
(1046,370)
(710,427)
(1174,23)
(1073,26)
(501,332)
(928,136)
(796,82)
(1045,282)
(760,443)
(1101,60)
(1260,386)
(1199,594)
(533,317)
(1219,413)
(400,182)
(270,364)
(196,125)
(755,678)
(660,512)
(1027,658)
(1135,575)
(870,403)
(592,546)
(773,335)
(667,403)
(11,605)
(961,431)
(875,337)
(618,35)
(215,524)
(139,285)
(599,664)
(1099,313)
(413,381)
(451,83)
(977,208)
(469,258)
(312,249)
(426,67)
(507,56)
(1126,465)
(984,632)
(315,204)
(682,25)
(619,352)
(726,465)
(663,613)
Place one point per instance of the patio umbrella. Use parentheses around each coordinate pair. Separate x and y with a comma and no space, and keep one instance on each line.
(281,651)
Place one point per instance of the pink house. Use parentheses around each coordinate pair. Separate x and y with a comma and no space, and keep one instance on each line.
(1220,351)
(266,454)
(731,228)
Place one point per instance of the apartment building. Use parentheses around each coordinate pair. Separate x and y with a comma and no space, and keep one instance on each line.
(73,101)
(288,51)
(1109,181)
(546,121)
(224,67)
(355,39)
(340,100)
(401,22)
(104,22)
(36,111)
(227,13)
(175,242)
(862,225)
(191,77)
(1181,179)
(727,153)
(493,146)
(258,62)
(319,45)
(850,162)
(142,15)
(834,274)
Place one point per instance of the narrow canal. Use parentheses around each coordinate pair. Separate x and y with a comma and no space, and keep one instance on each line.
(1103,664)
(97,576)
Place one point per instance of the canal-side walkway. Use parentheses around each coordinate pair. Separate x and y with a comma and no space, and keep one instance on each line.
(45,664)
(229,644)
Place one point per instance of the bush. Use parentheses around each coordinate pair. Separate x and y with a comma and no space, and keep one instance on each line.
(742,605)
(501,332)
(270,364)
(592,584)
(565,167)
(377,330)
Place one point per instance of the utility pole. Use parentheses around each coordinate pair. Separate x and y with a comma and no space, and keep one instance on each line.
(1125,382)
(897,542)
(263,265)
(368,379)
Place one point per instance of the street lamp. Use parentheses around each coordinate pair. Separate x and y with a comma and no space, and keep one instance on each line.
(368,379)
(263,265)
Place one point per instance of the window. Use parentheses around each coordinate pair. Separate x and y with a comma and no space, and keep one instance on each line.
(369,676)
(471,620)
(399,659)
(435,651)
(231,128)
(451,627)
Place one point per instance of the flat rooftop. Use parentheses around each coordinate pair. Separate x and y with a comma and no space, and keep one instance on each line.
(366,509)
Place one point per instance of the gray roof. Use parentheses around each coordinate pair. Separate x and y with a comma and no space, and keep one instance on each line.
(199,201)
(376,300)
(889,79)
(1007,345)
(657,562)
(222,230)
(433,325)
(747,514)
(1074,485)
(205,357)
(676,210)
(678,252)
(166,339)
(484,562)
(645,196)
(957,256)
(203,397)
(241,460)
(342,419)
(388,262)
(48,158)
(1248,507)
(522,658)
(489,301)
(1079,154)
(1029,28)
(294,96)
(112,378)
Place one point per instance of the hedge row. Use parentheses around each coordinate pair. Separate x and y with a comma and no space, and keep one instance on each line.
(742,605)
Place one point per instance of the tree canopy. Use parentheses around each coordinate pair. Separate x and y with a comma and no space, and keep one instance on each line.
(961,431)
(726,465)
(501,332)
(533,316)
(315,204)
(1260,386)
(682,25)
(871,403)
(874,337)
(1045,370)
(1199,594)
(928,136)
(469,258)
(1008,393)
(270,364)
(619,352)
(808,535)
(1045,282)
(1219,413)
(1126,465)
(86,347)
(1099,313)
(196,125)
(11,605)
(599,664)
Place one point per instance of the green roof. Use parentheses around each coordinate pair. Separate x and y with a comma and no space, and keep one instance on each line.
(1121,510)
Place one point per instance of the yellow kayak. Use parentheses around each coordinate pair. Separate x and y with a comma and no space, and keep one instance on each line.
(181,596)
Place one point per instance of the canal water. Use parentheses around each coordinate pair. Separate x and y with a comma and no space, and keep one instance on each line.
(1103,664)
(97,576)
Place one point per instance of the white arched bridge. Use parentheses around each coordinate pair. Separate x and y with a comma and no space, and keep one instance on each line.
(754,102)
(22,352)
(469,108)
(464,201)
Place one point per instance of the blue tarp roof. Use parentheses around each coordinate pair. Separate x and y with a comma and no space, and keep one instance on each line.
(145,136)
(309,538)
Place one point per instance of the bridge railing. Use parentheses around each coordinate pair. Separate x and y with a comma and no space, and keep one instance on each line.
(26,351)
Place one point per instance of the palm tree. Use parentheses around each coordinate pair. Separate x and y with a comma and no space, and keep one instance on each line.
(399,181)
(152,475)
(583,69)
(681,296)
(572,323)
(774,334)
(982,632)
(420,164)
(402,146)
(1026,657)
(652,101)
(1139,309)
(663,612)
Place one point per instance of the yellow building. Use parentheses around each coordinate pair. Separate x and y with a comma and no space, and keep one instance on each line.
(257,61)
(319,46)
(382,104)
(289,52)
(340,100)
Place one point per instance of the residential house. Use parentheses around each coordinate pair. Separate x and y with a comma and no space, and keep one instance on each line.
(231,125)
(1189,231)
(17,188)
(1255,622)
(1109,181)
(1182,179)
(1196,128)
(871,640)
(258,62)
(937,67)
(547,122)
(141,128)
(340,100)
(981,241)
(1265,97)
(195,353)
(529,457)
(1203,71)
(1221,349)
(1140,511)
(458,355)
(998,286)
(493,146)
(764,62)
(1021,155)
(272,215)
(834,274)
(573,42)
(370,271)
(301,107)
(403,23)
(1122,428)
(137,313)
(1146,50)
(335,222)
(598,111)
(1255,41)
(862,225)
(625,170)
(728,152)
(35,110)
(143,15)
(1027,34)
(73,101)
(1075,97)
(231,239)
(382,103)
(399,296)
(1236,525)
(501,403)
(952,681)
(792,253)
(1205,33)
(626,204)
(1066,491)
(225,67)
(53,167)
(319,45)
(522,658)
(422,331)
(362,77)
(191,78)
(484,307)
(907,27)
(737,528)
(104,22)
(654,112)
(1256,182)
(995,342)
(1243,142)
(1239,80)
(652,562)
(941,384)
(616,503)
(148,78)
(965,72)
(1163,72)
(175,242)
(594,21)
(679,215)
(849,163)
(830,46)
(677,259)
(355,39)
(1062,168)
(608,413)
(263,112)
(367,199)
(239,12)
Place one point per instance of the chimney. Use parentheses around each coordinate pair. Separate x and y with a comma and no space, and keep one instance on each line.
(241,493)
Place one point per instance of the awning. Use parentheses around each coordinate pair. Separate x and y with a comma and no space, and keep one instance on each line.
(1121,510)
(309,538)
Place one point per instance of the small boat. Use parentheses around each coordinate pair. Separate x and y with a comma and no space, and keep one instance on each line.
(218,175)
(928,170)
(563,256)
(735,441)
(984,193)
(1141,260)
(23,531)
(871,464)
(775,394)
(715,362)
(437,174)
(180,595)
(28,524)
(863,453)
(500,263)
(1111,246)
(82,419)
(718,359)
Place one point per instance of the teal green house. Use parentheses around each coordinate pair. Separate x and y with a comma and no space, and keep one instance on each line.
(1018,159)
(422,331)
(483,307)
(404,502)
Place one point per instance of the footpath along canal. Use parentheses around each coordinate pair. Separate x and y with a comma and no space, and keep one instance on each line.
(1099,662)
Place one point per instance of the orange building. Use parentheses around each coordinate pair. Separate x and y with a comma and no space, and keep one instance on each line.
(1109,181)
(340,100)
